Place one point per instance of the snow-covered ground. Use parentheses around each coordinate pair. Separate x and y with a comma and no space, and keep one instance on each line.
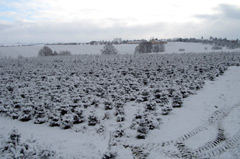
(32,51)
(197,109)
(171,47)
(179,47)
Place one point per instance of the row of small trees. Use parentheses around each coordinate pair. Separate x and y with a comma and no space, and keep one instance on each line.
(149,47)
(46,51)
(143,47)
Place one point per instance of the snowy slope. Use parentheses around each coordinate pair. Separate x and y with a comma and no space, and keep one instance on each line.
(179,47)
(171,47)
(218,94)
(32,51)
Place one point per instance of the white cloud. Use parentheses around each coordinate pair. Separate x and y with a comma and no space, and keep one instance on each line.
(77,20)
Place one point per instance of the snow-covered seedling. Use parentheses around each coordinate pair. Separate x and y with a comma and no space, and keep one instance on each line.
(16,111)
(26,113)
(166,110)
(54,119)
(150,106)
(92,119)
(108,105)
(142,129)
(119,132)
(13,147)
(177,101)
(66,121)
(109,155)
(78,116)
(120,118)
(39,115)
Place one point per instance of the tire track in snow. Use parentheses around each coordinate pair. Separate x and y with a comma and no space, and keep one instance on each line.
(209,150)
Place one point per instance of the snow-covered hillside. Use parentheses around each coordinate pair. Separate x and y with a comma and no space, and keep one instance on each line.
(170,47)
(32,51)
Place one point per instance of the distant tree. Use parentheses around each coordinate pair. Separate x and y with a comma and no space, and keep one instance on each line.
(93,42)
(149,47)
(144,47)
(117,41)
(45,51)
(158,48)
(109,49)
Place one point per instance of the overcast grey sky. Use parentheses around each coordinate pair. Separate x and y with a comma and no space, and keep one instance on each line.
(84,20)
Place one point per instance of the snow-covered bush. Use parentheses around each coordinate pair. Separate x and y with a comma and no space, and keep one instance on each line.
(150,106)
(119,109)
(54,119)
(109,155)
(78,116)
(120,118)
(39,115)
(142,129)
(26,113)
(108,105)
(14,148)
(177,101)
(66,121)
(118,133)
(92,119)
(166,110)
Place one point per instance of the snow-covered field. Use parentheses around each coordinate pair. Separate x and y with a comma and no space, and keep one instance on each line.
(170,47)
(32,51)
(205,125)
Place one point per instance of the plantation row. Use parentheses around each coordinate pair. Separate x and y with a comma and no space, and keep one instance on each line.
(60,90)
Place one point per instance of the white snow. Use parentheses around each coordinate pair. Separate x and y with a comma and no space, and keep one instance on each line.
(218,94)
